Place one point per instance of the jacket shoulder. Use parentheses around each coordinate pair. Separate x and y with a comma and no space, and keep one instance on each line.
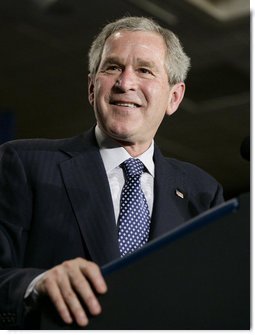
(72,145)
(198,183)
(187,167)
(37,143)
(195,176)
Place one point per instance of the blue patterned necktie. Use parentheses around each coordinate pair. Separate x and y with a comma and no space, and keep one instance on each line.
(134,217)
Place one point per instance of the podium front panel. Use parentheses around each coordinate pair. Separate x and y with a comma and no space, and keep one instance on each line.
(197,277)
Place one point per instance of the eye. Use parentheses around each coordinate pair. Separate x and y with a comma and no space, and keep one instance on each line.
(145,71)
(112,68)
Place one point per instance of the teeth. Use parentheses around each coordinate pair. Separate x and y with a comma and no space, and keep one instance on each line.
(124,104)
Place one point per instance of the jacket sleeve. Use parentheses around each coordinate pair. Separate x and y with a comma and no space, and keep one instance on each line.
(15,219)
(218,197)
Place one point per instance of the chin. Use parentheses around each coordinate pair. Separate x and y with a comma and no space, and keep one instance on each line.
(120,134)
(119,130)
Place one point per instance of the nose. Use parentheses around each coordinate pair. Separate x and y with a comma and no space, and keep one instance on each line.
(126,80)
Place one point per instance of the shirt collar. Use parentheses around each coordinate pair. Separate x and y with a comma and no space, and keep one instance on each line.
(113,154)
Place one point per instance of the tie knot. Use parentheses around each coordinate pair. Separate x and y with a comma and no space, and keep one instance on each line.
(132,167)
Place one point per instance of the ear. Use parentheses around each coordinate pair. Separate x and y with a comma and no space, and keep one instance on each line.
(175,97)
(91,90)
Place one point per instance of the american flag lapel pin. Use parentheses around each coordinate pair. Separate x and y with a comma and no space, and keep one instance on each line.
(179,194)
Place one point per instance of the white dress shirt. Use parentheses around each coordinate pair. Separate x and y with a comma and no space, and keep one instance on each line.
(113,154)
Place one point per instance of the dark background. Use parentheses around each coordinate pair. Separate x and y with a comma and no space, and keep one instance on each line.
(43,71)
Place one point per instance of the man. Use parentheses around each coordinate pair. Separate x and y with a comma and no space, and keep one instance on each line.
(61,205)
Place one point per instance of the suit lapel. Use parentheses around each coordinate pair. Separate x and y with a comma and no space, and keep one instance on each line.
(88,189)
(170,208)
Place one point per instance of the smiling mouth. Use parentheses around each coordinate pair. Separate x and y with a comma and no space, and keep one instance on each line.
(125,104)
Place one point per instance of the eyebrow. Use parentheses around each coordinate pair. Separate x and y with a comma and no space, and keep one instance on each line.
(146,63)
(139,61)
(111,60)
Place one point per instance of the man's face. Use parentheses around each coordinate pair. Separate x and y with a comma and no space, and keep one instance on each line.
(130,92)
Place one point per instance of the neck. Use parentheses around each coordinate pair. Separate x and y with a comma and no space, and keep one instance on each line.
(134,150)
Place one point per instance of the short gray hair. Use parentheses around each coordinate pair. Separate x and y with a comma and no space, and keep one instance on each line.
(177,62)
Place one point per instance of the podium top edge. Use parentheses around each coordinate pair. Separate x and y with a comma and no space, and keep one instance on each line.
(193,224)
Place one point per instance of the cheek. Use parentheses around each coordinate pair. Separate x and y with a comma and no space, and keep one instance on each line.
(158,98)
(98,89)
(104,84)
(156,90)
(102,93)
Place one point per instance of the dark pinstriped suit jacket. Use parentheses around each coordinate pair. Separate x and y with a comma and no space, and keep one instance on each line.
(55,204)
